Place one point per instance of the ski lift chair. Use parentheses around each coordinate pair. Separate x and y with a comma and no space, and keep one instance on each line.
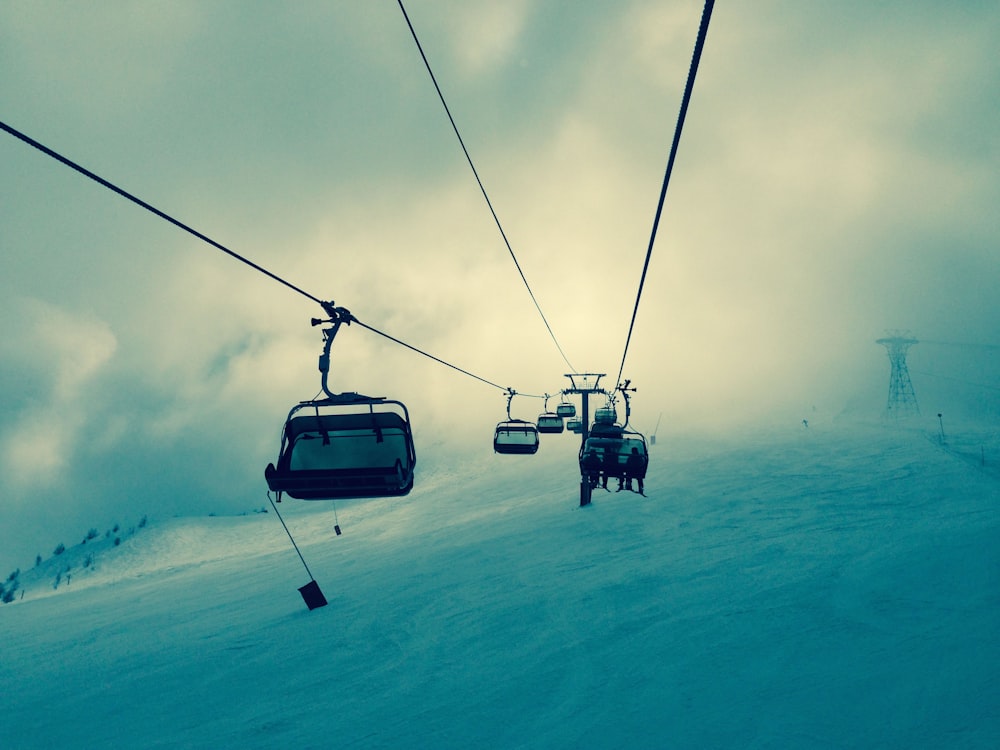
(364,448)
(566,409)
(550,423)
(516,436)
(615,453)
(606,415)
(345,445)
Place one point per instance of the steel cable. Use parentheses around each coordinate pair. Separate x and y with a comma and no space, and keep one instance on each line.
(482,188)
(688,88)
(166,217)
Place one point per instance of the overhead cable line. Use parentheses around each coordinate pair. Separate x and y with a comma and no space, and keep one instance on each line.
(166,217)
(482,189)
(139,202)
(954,379)
(430,356)
(963,344)
(688,88)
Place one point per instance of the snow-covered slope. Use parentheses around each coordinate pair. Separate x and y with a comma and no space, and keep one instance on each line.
(826,587)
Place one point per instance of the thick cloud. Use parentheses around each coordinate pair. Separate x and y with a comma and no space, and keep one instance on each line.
(837,179)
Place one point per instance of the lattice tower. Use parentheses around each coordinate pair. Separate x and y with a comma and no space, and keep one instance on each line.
(902,400)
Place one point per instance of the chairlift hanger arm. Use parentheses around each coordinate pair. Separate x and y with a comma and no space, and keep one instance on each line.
(338,316)
(510,397)
(625,390)
(328,307)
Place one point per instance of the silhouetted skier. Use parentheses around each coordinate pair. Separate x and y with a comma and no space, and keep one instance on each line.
(592,467)
(634,469)
(611,469)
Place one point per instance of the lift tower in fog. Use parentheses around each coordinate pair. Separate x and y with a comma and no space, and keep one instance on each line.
(585,383)
(902,400)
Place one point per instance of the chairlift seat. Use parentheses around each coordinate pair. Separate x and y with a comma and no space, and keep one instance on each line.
(352,455)
(605,415)
(614,454)
(515,437)
(550,423)
(566,409)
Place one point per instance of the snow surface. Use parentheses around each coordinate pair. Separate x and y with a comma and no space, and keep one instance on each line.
(835,586)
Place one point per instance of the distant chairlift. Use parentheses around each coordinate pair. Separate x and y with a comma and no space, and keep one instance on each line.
(515,436)
(566,408)
(606,415)
(549,422)
(345,445)
(612,449)
(605,422)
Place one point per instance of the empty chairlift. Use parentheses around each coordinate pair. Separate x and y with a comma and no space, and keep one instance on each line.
(566,409)
(550,422)
(515,436)
(605,415)
(604,423)
(345,445)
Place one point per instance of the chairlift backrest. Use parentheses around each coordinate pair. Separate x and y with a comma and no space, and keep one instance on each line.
(606,430)
(346,441)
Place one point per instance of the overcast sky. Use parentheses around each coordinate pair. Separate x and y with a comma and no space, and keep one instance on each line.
(837,178)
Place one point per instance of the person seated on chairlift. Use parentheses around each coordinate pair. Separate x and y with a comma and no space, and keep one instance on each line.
(610,469)
(592,468)
(633,468)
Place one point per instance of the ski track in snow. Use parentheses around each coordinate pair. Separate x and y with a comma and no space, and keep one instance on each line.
(831,587)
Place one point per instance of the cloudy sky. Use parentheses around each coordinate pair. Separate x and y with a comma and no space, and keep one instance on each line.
(838,178)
